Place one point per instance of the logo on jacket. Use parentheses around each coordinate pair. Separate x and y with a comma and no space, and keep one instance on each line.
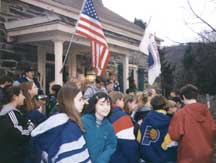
(151,135)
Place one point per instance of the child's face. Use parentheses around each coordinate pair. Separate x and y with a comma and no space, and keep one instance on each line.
(133,105)
(102,108)
(34,90)
(110,87)
(172,110)
(79,102)
(120,103)
(20,98)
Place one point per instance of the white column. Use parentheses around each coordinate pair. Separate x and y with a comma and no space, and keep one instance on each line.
(58,51)
(41,60)
(125,72)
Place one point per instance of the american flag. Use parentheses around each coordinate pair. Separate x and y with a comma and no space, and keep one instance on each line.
(89,26)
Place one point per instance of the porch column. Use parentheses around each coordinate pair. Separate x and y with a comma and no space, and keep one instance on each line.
(58,51)
(72,66)
(41,61)
(125,72)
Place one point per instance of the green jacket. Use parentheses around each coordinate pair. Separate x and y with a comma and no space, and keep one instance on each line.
(101,141)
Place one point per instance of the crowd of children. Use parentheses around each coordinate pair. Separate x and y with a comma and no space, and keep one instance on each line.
(102,125)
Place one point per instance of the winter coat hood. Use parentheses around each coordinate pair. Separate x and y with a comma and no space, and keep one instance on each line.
(158,120)
(197,111)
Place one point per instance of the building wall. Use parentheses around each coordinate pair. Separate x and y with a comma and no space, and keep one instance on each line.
(13,56)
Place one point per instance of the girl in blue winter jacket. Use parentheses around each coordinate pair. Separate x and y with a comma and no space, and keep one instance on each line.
(99,133)
(60,138)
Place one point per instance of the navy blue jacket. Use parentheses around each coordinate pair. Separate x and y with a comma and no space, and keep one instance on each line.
(153,130)
(60,139)
(36,117)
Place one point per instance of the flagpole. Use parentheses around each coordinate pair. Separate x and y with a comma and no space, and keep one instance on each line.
(71,40)
(149,21)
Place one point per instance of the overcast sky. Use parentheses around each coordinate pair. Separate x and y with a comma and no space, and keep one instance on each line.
(168,16)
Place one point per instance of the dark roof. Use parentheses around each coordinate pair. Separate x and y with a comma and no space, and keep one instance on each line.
(104,13)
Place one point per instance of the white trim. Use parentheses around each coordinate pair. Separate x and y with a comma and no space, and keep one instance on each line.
(126,134)
(41,28)
(54,7)
(64,29)
(125,71)
(31,21)
(74,145)
(13,118)
(115,46)
(52,122)
(172,144)
(16,124)
(79,157)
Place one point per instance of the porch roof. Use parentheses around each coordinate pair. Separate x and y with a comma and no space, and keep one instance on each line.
(105,14)
(51,28)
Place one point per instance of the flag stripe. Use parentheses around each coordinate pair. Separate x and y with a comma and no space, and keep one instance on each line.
(96,53)
(102,51)
(106,62)
(91,30)
(106,54)
(93,25)
(90,36)
(103,58)
(90,20)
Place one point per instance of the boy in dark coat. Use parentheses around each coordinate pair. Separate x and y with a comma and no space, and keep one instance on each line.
(155,145)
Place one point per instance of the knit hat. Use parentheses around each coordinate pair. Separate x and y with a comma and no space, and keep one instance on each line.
(28,69)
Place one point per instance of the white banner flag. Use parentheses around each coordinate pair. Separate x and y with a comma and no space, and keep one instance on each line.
(148,46)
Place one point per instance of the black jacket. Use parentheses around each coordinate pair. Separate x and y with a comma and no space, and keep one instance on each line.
(14,135)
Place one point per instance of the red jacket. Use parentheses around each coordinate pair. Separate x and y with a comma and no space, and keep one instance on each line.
(194,128)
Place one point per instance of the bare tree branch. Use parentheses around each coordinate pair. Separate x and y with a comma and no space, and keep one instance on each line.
(199,34)
(205,22)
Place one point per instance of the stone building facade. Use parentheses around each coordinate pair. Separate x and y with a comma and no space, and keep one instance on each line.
(37,33)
